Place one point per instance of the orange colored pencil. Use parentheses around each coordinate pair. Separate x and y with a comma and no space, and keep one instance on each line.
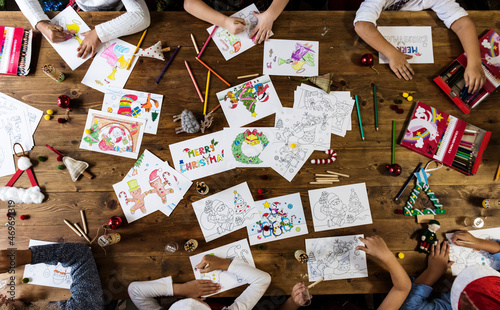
(212,70)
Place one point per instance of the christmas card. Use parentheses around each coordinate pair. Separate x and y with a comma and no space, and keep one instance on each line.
(291,57)
(225,212)
(414,41)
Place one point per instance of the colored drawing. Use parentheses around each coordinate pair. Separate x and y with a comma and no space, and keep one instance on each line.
(69,20)
(225,212)
(112,134)
(108,69)
(336,258)
(232,45)
(340,206)
(413,41)
(279,218)
(464,257)
(237,250)
(135,104)
(249,101)
(423,126)
(199,157)
(291,57)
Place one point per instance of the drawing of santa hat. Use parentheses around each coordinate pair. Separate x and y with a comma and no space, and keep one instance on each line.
(125,103)
(154,175)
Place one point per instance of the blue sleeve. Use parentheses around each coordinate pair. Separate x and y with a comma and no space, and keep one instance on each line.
(86,287)
(417,299)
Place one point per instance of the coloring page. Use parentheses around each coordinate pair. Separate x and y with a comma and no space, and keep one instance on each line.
(109,67)
(151,188)
(413,41)
(338,104)
(225,212)
(47,275)
(34,115)
(7,166)
(250,101)
(134,104)
(199,157)
(15,123)
(340,206)
(291,58)
(464,257)
(232,45)
(227,280)
(285,159)
(304,127)
(113,134)
(70,20)
(336,258)
(279,218)
(245,146)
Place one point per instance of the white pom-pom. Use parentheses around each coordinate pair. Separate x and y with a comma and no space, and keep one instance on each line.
(23,163)
(21,195)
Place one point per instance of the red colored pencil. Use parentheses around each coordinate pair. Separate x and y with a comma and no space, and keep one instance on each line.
(206,42)
(194,81)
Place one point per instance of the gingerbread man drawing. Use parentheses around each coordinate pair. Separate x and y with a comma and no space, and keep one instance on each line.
(159,186)
(137,196)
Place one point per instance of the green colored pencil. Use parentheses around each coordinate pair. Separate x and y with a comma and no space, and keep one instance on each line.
(375,105)
(393,141)
(359,118)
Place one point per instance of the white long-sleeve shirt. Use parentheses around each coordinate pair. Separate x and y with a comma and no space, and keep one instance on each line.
(134,20)
(447,10)
(143,293)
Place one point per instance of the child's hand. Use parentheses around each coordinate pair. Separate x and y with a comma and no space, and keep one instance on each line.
(234,25)
(212,262)
(298,296)
(474,78)
(54,33)
(438,260)
(262,31)
(375,246)
(196,288)
(465,236)
(399,65)
(89,44)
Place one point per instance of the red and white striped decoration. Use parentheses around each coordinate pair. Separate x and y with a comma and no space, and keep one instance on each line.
(330,160)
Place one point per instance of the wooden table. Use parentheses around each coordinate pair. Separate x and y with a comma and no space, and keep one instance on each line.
(141,256)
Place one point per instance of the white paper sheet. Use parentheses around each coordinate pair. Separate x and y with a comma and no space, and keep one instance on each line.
(249,101)
(415,41)
(225,212)
(239,249)
(70,20)
(291,58)
(7,165)
(279,218)
(335,258)
(340,206)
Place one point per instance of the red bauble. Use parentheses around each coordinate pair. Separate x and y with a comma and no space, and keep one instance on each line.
(115,222)
(367,60)
(63,101)
(394,169)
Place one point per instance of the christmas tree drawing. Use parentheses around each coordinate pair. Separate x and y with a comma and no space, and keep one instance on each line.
(92,134)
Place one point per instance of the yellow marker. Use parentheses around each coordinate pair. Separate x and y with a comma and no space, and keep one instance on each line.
(47,117)
(50,112)
(410,98)
(405,95)
(401,255)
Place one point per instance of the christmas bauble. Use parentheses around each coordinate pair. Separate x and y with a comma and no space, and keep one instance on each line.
(115,222)
(63,101)
(367,60)
(394,169)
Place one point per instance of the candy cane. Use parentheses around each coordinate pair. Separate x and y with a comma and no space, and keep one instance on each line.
(333,157)
(165,178)
(120,196)
(291,218)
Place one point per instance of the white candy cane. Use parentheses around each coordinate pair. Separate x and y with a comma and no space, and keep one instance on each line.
(330,160)
(120,196)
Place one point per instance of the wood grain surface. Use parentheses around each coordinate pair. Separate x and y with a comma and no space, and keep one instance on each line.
(141,256)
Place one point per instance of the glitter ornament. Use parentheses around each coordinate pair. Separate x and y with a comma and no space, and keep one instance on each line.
(115,222)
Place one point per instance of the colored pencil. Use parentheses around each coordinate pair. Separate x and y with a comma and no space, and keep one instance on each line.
(464,92)
(206,93)
(359,118)
(194,81)
(248,76)
(470,144)
(195,45)
(168,64)
(412,175)
(206,66)
(206,42)
(393,141)
(375,106)
(84,222)
(336,173)
(83,234)
(72,228)
(315,283)
(498,172)
(136,49)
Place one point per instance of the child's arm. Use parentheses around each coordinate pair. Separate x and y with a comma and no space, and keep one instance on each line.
(466,31)
(465,239)
(437,264)
(296,300)
(201,10)
(401,282)
(397,60)
(266,19)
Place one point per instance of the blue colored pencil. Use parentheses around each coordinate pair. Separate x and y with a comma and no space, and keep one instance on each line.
(359,118)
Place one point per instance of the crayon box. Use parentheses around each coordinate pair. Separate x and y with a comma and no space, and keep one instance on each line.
(15,50)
